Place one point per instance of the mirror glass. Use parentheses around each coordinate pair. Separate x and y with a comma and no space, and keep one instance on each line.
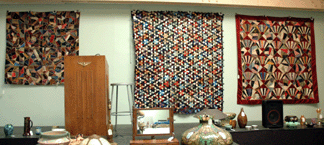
(153,122)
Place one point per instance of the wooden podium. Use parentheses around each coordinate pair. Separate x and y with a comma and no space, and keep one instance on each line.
(86,90)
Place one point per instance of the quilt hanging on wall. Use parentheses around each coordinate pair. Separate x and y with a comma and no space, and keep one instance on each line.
(36,45)
(179,60)
(276,60)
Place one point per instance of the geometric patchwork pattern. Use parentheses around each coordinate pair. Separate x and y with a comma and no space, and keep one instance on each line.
(36,45)
(276,60)
(179,60)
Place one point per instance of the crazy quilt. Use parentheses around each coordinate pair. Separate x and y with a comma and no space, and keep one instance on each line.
(36,45)
(276,59)
(179,60)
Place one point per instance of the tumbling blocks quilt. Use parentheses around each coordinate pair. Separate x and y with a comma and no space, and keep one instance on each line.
(36,45)
(179,60)
(276,60)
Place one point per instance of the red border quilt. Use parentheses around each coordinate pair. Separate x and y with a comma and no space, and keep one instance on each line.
(276,59)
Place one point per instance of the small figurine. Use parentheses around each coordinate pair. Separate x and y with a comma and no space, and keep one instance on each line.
(302,120)
(318,110)
(313,120)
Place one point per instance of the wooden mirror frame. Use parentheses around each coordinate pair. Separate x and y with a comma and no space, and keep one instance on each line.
(135,122)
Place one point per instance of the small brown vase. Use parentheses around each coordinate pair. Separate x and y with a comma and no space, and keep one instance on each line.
(242,119)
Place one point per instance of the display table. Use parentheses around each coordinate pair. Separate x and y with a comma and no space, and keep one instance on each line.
(18,137)
(266,136)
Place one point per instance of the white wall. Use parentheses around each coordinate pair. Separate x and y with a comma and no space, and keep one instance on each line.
(107,29)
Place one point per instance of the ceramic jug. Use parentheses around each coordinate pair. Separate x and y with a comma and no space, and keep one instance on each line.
(28,124)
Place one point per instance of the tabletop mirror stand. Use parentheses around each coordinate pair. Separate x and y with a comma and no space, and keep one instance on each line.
(153,122)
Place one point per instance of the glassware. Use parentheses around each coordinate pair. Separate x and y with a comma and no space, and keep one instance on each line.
(38,130)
